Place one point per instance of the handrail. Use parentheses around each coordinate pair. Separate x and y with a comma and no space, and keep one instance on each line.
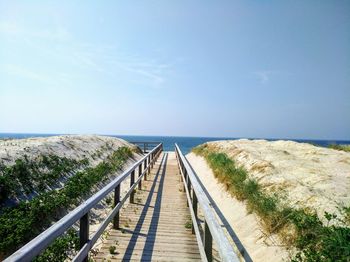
(39,243)
(145,144)
(212,228)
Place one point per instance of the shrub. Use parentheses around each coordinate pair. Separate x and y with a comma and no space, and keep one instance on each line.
(60,249)
(108,200)
(188,224)
(112,249)
(34,175)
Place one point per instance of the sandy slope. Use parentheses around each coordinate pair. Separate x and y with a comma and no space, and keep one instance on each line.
(94,148)
(303,176)
(70,146)
(306,176)
(245,225)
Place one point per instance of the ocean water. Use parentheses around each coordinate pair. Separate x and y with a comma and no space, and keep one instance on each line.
(185,143)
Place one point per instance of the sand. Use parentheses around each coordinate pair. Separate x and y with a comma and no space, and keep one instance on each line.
(303,176)
(306,176)
(70,146)
(246,226)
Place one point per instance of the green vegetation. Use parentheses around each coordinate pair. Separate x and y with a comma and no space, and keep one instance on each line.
(108,200)
(346,212)
(188,224)
(21,223)
(300,228)
(112,249)
(345,148)
(29,175)
(60,249)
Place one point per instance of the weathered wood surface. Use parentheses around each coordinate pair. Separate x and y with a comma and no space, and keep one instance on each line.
(153,227)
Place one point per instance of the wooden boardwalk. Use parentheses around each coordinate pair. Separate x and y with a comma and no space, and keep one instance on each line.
(155,226)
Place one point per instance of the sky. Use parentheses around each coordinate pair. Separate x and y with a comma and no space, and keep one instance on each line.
(267,69)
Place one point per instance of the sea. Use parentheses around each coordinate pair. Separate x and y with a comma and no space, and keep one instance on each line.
(185,143)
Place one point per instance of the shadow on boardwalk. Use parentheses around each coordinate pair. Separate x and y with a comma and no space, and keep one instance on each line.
(153,228)
(155,217)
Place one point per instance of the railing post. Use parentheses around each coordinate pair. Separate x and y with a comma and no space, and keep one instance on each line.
(189,185)
(84,232)
(116,202)
(140,173)
(185,177)
(132,181)
(149,163)
(145,169)
(195,208)
(208,242)
(179,167)
(152,159)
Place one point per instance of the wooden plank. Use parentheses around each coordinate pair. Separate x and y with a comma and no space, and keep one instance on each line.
(153,228)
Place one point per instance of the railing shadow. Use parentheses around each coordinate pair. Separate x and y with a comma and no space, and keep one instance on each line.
(149,244)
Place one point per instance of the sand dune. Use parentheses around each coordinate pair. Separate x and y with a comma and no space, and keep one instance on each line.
(92,147)
(307,176)
(303,175)
(246,225)
(70,146)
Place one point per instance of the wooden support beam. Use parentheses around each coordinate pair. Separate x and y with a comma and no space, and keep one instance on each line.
(140,173)
(84,232)
(208,242)
(116,202)
(195,208)
(132,181)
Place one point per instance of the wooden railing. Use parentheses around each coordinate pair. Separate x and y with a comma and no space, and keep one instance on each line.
(196,197)
(145,146)
(38,244)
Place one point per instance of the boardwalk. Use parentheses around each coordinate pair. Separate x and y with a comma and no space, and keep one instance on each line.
(155,226)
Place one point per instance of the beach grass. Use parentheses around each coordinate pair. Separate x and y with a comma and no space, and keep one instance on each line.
(296,227)
(345,148)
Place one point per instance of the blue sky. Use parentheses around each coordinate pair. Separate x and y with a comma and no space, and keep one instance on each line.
(274,69)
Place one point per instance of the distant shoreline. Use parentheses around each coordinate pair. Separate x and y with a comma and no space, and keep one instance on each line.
(28,135)
(185,143)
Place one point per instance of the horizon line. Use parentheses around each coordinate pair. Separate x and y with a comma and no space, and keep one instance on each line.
(223,137)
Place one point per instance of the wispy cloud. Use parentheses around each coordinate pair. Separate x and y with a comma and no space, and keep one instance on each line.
(149,71)
(99,58)
(19,71)
(264,76)
(55,79)
(13,29)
